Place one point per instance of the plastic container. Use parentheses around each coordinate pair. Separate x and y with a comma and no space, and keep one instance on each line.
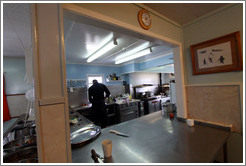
(167,107)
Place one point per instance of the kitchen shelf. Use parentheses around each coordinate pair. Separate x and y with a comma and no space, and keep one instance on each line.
(142,86)
(114,80)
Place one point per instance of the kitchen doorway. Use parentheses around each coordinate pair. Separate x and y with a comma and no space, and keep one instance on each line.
(100,20)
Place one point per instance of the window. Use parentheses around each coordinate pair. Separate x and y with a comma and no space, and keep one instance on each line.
(91,77)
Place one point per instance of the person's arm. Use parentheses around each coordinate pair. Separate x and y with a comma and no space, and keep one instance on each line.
(90,97)
(107,91)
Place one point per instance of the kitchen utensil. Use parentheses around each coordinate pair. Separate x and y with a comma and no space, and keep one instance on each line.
(96,157)
(118,133)
(107,147)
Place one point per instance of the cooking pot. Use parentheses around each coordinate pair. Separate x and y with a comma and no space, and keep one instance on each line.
(149,94)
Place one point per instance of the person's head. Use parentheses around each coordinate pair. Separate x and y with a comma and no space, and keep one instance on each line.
(94,81)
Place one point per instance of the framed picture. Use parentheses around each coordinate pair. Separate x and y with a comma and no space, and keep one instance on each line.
(222,54)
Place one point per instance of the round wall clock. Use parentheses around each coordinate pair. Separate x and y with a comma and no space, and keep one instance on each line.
(144,19)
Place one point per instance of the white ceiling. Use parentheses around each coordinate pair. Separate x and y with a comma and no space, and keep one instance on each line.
(83,35)
(16,29)
(184,13)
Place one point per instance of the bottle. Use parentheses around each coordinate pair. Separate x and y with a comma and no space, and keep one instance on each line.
(130,97)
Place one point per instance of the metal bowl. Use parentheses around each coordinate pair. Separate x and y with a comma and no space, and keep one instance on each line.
(19,143)
(22,155)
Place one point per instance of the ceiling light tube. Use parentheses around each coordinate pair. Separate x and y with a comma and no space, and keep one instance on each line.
(110,45)
(101,44)
(134,56)
(132,51)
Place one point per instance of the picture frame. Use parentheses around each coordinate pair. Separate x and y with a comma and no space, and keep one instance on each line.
(222,54)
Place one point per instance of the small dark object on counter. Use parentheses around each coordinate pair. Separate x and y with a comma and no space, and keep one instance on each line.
(96,157)
(171,115)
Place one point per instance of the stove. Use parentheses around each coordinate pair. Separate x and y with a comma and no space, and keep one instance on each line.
(151,104)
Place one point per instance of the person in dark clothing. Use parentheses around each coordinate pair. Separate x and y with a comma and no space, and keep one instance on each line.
(96,97)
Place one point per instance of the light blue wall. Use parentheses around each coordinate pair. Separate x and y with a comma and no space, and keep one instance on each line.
(79,71)
(134,67)
(129,68)
(156,62)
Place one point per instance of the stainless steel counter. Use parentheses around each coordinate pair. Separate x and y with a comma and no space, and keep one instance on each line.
(157,139)
(118,102)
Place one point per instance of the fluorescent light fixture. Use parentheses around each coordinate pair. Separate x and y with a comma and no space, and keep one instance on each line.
(132,51)
(110,45)
(99,46)
(134,56)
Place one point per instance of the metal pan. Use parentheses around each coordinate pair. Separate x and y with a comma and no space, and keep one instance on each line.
(85,134)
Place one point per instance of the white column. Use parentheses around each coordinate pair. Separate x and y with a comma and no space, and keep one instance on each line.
(180,83)
(52,117)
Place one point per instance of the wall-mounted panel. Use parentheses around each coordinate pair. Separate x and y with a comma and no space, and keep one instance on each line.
(215,104)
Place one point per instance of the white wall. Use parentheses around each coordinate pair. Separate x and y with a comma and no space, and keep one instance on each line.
(15,85)
(15,70)
(221,23)
(127,12)
(139,78)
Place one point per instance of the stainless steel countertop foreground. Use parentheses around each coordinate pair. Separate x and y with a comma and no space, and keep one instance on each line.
(156,139)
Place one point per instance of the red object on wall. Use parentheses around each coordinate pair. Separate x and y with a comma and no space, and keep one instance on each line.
(6,115)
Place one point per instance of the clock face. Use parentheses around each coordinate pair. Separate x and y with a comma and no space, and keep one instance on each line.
(144,19)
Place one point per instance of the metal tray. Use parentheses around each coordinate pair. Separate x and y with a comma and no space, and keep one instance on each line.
(85,134)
